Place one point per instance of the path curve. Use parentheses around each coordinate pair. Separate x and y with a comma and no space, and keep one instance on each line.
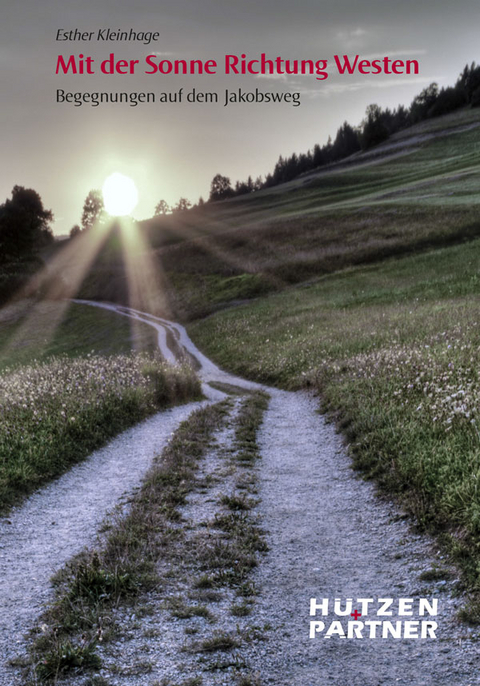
(208,371)
(329,534)
(331,537)
(59,520)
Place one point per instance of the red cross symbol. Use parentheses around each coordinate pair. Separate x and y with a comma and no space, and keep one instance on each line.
(356,614)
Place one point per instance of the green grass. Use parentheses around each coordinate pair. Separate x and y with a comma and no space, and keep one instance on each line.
(436,574)
(32,330)
(423,192)
(126,562)
(385,322)
(219,641)
(385,247)
(68,383)
(394,349)
(284,338)
(182,611)
(55,413)
(67,657)
(242,610)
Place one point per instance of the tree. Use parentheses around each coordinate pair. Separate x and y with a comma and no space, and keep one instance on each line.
(401,119)
(24,224)
(374,130)
(279,171)
(269,182)
(75,231)
(475,100)
(319,157)
(220,188)
(93,210)
(448,100)
(291,168)
(242,188)
(162,208)
(346,142)
(305,161)
(182,205)
(327,151)
(419,109)
(469,83)
(258,183)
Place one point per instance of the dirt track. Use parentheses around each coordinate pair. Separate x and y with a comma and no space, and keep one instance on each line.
(329,535)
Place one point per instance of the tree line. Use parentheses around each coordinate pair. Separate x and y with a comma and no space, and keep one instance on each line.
(25,223)
(93,211)
(377,125)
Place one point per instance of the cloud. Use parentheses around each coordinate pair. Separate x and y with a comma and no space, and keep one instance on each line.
(394,53)
(335,88)
(352,38)
(273,77)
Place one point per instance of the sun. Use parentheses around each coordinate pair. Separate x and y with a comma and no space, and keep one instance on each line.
(120,195)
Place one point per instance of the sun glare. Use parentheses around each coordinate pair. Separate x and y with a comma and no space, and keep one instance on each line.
(120,195)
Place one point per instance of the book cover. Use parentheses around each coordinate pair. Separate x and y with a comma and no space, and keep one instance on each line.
(239,343)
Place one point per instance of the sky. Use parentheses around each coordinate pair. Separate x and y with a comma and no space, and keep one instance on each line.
(174,149)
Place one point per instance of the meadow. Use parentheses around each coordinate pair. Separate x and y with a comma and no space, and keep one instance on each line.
(360,281)
(394,352)
(417,191)
(84,386)
(35,330)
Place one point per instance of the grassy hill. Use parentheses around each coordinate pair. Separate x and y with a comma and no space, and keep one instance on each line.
(361,281)
(416,191)
(385,323)
(35,331)
(70,381)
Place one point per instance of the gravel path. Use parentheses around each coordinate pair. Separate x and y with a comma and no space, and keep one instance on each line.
(59,520)
(330,537)
(163,638)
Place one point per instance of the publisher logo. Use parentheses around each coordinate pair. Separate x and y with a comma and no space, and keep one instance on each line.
(379,618)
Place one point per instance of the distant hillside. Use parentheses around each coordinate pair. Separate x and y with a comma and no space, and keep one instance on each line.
(419,189)
(391,342)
